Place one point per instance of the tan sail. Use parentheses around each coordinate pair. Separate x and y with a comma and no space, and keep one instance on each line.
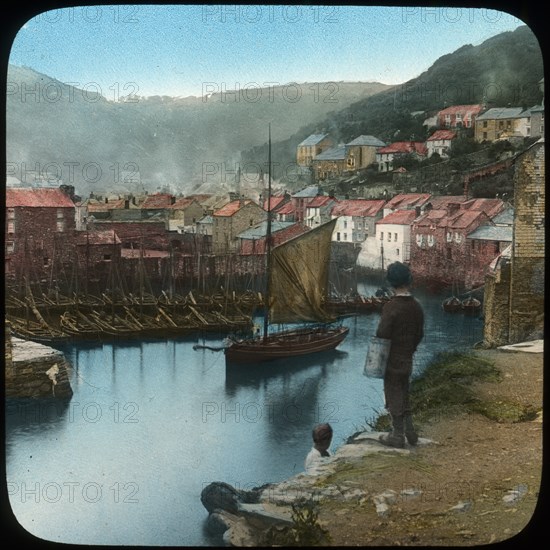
(299,270)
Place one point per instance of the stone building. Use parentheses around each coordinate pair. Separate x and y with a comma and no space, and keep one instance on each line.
(514,289)
(312,146)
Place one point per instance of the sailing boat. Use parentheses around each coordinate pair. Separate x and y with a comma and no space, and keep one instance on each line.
(297,283)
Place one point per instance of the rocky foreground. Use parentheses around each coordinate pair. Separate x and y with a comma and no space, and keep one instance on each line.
(474,478)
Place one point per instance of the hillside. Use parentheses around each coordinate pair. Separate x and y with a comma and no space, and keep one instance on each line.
(93,142)
(504,70)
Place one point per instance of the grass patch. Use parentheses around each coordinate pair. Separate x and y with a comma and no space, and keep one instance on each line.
(506,411)
(445,386)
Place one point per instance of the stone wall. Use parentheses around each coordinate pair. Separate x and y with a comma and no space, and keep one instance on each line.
(527,279)
(35,370)
(496,307)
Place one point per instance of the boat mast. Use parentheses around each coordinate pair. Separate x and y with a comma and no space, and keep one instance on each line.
(268,237)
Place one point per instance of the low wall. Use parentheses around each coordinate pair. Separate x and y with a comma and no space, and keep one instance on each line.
(35,370)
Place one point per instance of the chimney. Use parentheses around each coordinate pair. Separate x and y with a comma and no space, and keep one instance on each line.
(106,200)
(133,200)
(172,199)
(417,211)
(127,204)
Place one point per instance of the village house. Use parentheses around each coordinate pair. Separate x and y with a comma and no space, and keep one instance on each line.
(361,152)
(215,202)
(407,201)
(253,240)
(231,220)
(275,203)
(356,219)
(440,142)
(156,206)
(440,250)
(184,214)
(96,247)
(459,116)
(386,156)
(318,210)
(537,121)
(330,163)
(502,122)
(312,146)
(40,223)
(301,199)
(393,235)
(286,213)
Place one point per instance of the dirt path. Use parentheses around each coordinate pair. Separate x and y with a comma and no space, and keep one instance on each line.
(475,464)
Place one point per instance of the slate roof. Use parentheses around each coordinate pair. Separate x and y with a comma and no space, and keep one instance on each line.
(334,153)
(498,113)
(313,139)
(506,217)
(492,233)
(260,231)
(308,192)
(37,198)
(367,140)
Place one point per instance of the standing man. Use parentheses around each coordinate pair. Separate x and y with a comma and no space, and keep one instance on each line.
(402,322)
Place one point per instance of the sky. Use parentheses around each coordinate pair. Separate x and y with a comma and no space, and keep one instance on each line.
(197,49)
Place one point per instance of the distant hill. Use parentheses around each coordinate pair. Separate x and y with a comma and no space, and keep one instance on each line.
(503,70)
(98,144)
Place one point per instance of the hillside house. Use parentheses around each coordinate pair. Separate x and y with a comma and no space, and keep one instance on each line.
(330,163)
(386,156)
(356,219)
(537,121)
(156,206)
(252,240)
(286,213)
(301,199)
(408,201)
(40,224)
(440,142)
(361,152)
(502,122)
(231,220)
(459,116)
(318,211)
(184,214)
(440,250)
(312,146)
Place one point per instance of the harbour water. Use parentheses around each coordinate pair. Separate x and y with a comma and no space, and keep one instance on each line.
(151,423)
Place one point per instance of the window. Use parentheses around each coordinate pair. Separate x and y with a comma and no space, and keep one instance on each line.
(484,135)
(338,236)
(458,237)
(397,251)
(449,236)
(381,235)
(345,224)
(395,237)
(11,227)
(10,247)
(46,262)
(419,239)
(60,213)
(389,237)
(345,236)
(431,240)
(107,257)
(11,214)
(485,124)
(60,225)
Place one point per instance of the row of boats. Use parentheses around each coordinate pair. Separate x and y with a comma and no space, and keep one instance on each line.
(54,317)
(470,305)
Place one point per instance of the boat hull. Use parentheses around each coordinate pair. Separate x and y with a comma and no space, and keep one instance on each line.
(286,344)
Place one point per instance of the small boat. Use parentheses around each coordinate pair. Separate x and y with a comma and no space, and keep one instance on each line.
(452,305)
(297,284)
(471,305)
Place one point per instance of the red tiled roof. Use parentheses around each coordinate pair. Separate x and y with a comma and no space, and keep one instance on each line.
(407,200)
(37,198)
(405,147)
(274,202)
(442,134)
(491,207)
(433,217)
(461,110)
(287,208)
(231,208)
(399,217)
(358,207)
(161,200)
(442,201)
(465,218)
(321,200)
(182,203)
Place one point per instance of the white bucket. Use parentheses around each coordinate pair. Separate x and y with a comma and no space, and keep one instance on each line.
(377,357)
